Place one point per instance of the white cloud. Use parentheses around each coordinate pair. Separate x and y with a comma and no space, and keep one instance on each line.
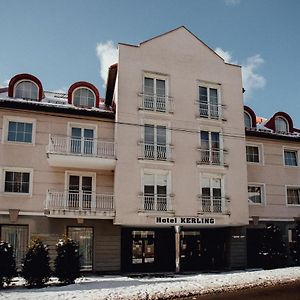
(107,54)
(4,83)
(232,2)
(251,78)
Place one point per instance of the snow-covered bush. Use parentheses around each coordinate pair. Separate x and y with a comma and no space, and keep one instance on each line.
(7,263)
(35,268)
(67,262)
(273,249)
(295,246)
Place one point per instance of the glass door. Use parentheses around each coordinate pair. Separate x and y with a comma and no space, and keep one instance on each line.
(143,247)
(82,140)
(84,237)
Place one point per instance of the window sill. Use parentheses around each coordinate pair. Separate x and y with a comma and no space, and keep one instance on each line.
(13,194)
(17,143)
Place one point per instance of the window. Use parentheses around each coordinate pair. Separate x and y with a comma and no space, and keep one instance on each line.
(17,182)
(26,90)
(247,120)
(209,102)
(210,148)
(252,154)
(84,97)
(293,195)
(255,194)
(211,198)
(19,132)
(155,192)
(82,140)
(281,125)
(155,142)
(290,158)
(17,236)
(154,97)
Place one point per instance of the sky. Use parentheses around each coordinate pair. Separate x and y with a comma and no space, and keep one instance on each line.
(64,41)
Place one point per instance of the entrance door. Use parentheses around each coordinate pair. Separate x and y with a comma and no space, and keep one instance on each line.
(80,192)
(190,250)
(84,237)
(82,140)
(143,250)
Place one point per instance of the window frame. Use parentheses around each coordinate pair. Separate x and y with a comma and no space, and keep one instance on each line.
(286,195)
(213,176)
(290,149)
(250,118)
(21,170)
(260,153)
(86,88)
(17,119)
(156,76)
(81,174)
(263,193)
(286,122)
(156,123)
(23,80)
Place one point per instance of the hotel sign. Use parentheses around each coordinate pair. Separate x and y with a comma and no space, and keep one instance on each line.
(185,221)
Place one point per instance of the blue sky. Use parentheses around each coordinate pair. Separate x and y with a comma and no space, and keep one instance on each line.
(62,41)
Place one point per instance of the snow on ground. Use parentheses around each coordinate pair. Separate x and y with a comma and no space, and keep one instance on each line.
(133,288)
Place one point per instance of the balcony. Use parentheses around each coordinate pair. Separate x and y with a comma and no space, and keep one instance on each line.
(213,205)
(83,153)
(79,205)
(156,103)
(155,152)
(151,203)
(213,157)
(209,111)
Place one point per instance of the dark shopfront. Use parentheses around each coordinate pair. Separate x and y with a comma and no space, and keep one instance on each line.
(154,249)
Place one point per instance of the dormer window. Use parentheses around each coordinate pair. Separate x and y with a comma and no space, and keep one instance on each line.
(84,97)
(247,120)
(26,90)
(281,125)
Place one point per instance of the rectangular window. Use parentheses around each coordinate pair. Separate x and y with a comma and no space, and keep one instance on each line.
(19,132)
(17,182)
(210,148)
(255,195)
(252,154)
(155,142)
(209,102)
(212,195)
(293,195)
(82,140)
(17,236)
(290,158)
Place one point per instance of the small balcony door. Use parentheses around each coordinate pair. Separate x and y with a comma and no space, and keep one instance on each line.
(155,138)
(80,192)
(82,140)
(155,94)
(210,148)
(212,195)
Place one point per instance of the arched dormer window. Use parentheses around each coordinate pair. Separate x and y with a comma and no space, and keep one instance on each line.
(281,125)
(83,94)
(26,89)
(84,97)
(247,120)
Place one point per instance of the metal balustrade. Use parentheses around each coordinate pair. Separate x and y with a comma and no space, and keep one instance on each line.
(211,111)
(156,202)
(211,157)
(213,204)
(79,201)
(80,146)
(155,152)
(156,103)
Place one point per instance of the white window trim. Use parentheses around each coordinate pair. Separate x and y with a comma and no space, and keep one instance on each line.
(157,172)
(260,153)
(263,193)
(15,86)
(83,87)
(7,119)
(213,175)
(158,76)
(167,124)
(15,169)
(82,126)
(250,117)
(69,173)
(286,198)
(291,149)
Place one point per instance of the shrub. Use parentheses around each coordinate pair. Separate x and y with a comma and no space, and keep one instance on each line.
(7,264)
(273,249)
(67,262)
(36,269)
(295,246)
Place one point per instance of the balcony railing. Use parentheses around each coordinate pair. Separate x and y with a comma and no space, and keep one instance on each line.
(211,157)
(79,202)
(156,103)
(211,204)
(156,203)
(210,111)
(81,146)
(155,152)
